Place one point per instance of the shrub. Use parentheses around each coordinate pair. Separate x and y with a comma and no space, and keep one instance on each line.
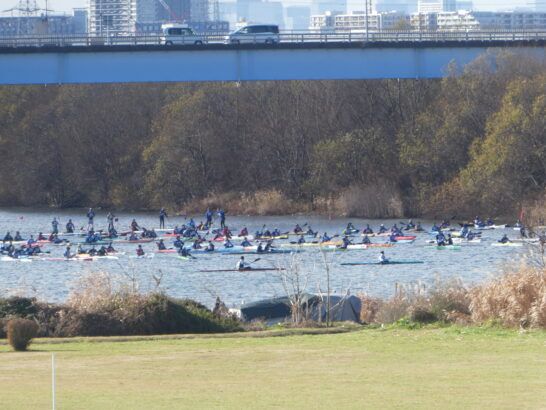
(448,298)
(515,299)
(369,309)
(20,333)
(17,306)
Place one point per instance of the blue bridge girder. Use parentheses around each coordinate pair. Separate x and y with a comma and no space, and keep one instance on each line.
(53,64)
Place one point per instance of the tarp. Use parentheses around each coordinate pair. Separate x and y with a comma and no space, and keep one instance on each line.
(342,308)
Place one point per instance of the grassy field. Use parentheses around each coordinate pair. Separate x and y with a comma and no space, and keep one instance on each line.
(426,368)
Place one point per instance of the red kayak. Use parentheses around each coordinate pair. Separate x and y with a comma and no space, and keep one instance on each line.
(405,238)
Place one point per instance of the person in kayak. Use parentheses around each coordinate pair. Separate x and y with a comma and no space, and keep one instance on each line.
(161,245)
(140,251)
(449,239)
(41,237)
(382,258)
(440,239)
(90,219)
(110,219)
(489,222)
(410,225)
(228,244)
(268,246)
(396,230)
(419,228)
(245,242)
(134,225)
(301,240)
(445,224)
(184,252)
(260,248)
(132,237)
(178,243)
(244,232)
(470,236)
(382,229)
(67,254)
(191,223)
(8,237)
(345,242)
(435,228)
(70,226)
(226,232)
(464,231)
(276,232)
(80,250)
(504,239)
(298,229)
(31,242)
(18,237)
(210,247)
(196,244)
(92,251)
(110,248)
(242,265)
(368,230)
(55,225)
(522,231)
(392,238)
(366,240)
(162,216)
(325,238)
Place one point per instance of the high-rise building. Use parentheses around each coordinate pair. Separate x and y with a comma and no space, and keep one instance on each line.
(322,6)
(402,6)
(173,10)
(467,5)
(79,21)
(112,16)
(297,17)
(436,6)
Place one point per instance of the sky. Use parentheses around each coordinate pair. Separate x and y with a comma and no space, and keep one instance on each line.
(68,5)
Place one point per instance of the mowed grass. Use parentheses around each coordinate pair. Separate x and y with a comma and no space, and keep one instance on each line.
(372,368)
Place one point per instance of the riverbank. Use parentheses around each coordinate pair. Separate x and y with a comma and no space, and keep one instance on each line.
(455,367)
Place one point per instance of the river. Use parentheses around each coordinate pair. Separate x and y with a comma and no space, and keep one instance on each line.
(53,281)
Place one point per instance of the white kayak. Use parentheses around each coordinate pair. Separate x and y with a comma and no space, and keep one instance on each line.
(508,244)
(10,259)
(146,256)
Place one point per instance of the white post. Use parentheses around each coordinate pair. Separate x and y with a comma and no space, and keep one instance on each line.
(53,381)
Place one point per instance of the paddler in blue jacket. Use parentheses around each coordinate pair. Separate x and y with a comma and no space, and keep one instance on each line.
(8,237)
(208,217)
(90,219)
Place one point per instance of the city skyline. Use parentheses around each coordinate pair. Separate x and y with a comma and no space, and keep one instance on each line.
(67,5)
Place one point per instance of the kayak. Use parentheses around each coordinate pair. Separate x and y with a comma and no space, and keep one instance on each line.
(145,256)
(147,240)
(236,238)
(267,238)
(60,259)
(96,257)
(237,270)
(254,252)
(398,262)
(10,259)
(448,248)
(508,244)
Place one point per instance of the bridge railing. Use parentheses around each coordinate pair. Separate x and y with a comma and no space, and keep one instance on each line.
(334,36)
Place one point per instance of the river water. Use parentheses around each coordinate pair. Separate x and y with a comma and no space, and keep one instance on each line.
(53,281)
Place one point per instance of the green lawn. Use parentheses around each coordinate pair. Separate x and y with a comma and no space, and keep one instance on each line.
(427,368)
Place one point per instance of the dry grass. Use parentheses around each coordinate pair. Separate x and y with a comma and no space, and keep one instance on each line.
(373,201)
(270,202)
(515,299)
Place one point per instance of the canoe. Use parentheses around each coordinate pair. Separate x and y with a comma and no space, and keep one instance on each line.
(398,262)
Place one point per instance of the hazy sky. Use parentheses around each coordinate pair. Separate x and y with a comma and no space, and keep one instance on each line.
(67,5)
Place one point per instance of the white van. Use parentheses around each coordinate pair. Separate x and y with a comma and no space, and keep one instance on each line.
(255,33)
(172,34)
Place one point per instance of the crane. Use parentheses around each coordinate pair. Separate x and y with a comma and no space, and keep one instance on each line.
(169,10)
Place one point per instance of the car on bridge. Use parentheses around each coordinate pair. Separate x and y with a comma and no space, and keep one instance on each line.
(174,34)
(254,33)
